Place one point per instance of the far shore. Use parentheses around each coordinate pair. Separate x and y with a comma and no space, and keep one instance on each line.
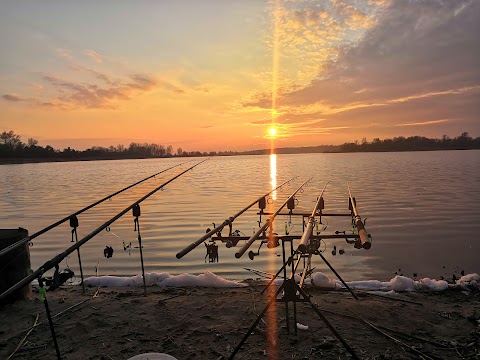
(13,161)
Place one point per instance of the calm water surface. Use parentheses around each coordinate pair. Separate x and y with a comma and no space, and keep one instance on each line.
(423,210)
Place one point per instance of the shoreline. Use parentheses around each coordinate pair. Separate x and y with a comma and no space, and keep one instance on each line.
(17,161)
(208,323)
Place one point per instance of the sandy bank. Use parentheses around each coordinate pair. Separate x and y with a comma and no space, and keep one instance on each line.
(207,323)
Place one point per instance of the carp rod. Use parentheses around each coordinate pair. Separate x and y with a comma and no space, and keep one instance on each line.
(226,222)
(362,233)
(57,259)
(54,225)
(307,234)
(268,223)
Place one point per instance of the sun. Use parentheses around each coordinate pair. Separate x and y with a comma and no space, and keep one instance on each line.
(272,131)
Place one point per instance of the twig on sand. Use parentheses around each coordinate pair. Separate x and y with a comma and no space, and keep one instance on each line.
(169,298)
(96,294)
(71,307)
(397,332)
(31,348)
(422,355)
(218,353)
(386,297)
(255,311)
(53,317)
(22,342)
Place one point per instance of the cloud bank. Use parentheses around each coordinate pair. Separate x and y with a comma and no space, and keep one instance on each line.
(417,63)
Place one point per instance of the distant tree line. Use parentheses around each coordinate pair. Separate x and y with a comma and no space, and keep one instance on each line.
(12,147)
(413,143)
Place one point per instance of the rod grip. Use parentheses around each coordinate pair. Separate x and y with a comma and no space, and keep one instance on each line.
(362,233)
(250,241)
(307,234)
(189,248)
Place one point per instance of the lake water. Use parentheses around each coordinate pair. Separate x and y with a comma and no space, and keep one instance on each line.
(423,210)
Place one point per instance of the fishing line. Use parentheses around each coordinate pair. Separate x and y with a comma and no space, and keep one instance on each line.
(58,258)
(109,197)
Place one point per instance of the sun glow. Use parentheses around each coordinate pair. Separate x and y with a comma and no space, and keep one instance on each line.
(272,132)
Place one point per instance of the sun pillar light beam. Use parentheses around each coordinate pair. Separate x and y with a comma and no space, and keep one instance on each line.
(272,313)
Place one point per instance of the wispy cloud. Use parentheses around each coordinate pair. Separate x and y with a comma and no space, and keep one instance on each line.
(36,86)
(95,90)
(64,53)
(13,97)
(94,56)
(96,74)
(431,122)
(79,95)
(436,93)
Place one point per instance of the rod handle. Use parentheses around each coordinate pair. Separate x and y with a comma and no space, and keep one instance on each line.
(362,233)
(189,248)
(307,234)
(250,241)
(193,245)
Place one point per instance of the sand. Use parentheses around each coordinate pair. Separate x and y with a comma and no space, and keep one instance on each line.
(208,323)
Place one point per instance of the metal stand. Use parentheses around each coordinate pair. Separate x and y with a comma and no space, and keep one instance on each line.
(141,259)
(43,297)
(136,213)
(293,293)
(74,225)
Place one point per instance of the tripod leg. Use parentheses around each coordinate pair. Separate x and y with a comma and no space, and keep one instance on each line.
(324,319)
(306,269)
(285,264)
(254,325)
(287,317)
(295,317)
(339,277)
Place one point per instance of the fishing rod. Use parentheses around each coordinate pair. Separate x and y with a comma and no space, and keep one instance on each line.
(50,227)
(364,237)
(307,234)
(228,221)
(57,259)
(268,223)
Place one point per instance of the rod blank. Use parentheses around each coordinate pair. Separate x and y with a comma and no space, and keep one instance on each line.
(57,259)
(50,227)
(268,223)
(225,223)
(307,234)
(362,233)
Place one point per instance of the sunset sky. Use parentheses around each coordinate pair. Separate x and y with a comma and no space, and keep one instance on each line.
(215,75)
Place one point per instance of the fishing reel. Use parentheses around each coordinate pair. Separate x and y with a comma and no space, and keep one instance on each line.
(357,244)
(313,246)
(58,278)
(212,247)
(233,242)
(252,254)
(108,251)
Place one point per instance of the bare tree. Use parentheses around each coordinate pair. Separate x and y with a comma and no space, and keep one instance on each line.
(10,139)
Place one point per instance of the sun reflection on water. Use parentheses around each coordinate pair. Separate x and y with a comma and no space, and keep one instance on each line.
(273,174)
(272,313)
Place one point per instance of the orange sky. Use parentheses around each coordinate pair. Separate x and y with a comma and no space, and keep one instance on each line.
(214,75)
